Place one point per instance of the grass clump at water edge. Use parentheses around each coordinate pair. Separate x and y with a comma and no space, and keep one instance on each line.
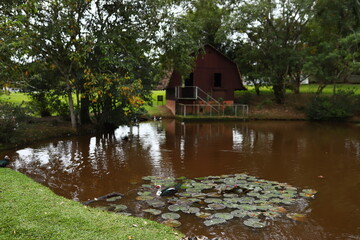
(31,211)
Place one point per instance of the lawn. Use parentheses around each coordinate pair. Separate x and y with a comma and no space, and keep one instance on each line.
(159,98)
(15,97)
(309,88)
(32,211)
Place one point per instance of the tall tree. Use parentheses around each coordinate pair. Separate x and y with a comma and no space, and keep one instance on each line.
(276,28)
(107,45)
(334,41)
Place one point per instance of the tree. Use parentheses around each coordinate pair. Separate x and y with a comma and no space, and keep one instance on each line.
(276,28)
(64,40)
(10,71)
(333,41)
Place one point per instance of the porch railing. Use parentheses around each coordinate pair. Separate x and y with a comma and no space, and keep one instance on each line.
(235,110)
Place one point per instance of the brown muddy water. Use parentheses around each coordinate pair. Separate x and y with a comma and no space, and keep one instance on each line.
(320,156)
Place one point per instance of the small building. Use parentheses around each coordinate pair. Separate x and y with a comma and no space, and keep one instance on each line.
(213,80)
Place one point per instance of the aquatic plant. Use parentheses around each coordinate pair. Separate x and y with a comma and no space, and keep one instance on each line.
(219,199)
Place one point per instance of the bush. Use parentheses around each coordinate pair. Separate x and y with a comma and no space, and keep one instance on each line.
(244,98)
(338,107)
(47,104)
(11,116)
(229,111)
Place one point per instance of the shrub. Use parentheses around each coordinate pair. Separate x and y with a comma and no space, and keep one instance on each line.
(11,116)
(244,98)
(229,111)
(337,107)
(48,104)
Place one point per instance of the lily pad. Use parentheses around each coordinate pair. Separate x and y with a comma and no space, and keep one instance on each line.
(230,195)
(254,223)
(231,205)
(247,207)
(213,194)
(192,210)
(150,178)
(172,223)
(113,199)
(170,216)
(174,208)
(306,195)
(253,214)
(213,200)
(120,208)
(152,211)
(310,191)
(271,214)
(144,193)
(156,203)
(203,215)
(248,200)
(144,198)
(296,216)
(214,221)
(239,213)
(226,216)
(216,206)
(278,209)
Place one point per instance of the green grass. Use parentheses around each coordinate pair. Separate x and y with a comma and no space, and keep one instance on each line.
(32,211)
(308,88)
(312,88)
(154,109)
(15,97)
(155,95)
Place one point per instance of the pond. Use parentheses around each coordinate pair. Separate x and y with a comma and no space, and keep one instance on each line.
(320,156)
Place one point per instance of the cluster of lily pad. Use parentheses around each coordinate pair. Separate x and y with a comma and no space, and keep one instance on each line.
(218,199)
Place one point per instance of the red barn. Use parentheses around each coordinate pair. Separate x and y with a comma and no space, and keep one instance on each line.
(214,79)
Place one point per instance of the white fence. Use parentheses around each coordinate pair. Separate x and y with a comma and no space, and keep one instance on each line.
(236,110)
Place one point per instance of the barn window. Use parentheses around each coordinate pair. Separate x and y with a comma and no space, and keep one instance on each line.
(217,79)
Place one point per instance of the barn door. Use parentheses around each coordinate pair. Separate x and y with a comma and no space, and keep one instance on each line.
(189,82)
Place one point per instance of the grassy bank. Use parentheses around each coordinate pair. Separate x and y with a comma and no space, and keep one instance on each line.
(31,211)
(311,88)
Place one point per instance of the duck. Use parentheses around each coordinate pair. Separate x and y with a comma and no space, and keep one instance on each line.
(157,118)
(5,161)
(167,192)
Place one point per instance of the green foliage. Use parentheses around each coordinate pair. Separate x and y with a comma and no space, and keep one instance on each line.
(46,104)
(11,118)
(244,97)
(340,106)
(264,103)
(229,111)
(272,44)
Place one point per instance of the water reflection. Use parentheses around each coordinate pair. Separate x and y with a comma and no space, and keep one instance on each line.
(294,152)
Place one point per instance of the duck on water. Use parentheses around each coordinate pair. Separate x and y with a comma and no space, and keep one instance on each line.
(5,161)
(169,191)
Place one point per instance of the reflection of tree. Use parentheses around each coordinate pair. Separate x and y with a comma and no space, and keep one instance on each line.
(88,167)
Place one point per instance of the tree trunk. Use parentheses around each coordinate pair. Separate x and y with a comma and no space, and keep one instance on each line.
(279,92)
(296,85)
(71,104)
(257,89)
(84,110)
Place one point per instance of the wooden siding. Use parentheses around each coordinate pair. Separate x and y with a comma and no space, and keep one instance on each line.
(211,66)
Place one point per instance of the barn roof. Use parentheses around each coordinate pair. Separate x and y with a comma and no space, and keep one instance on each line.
(164,82)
